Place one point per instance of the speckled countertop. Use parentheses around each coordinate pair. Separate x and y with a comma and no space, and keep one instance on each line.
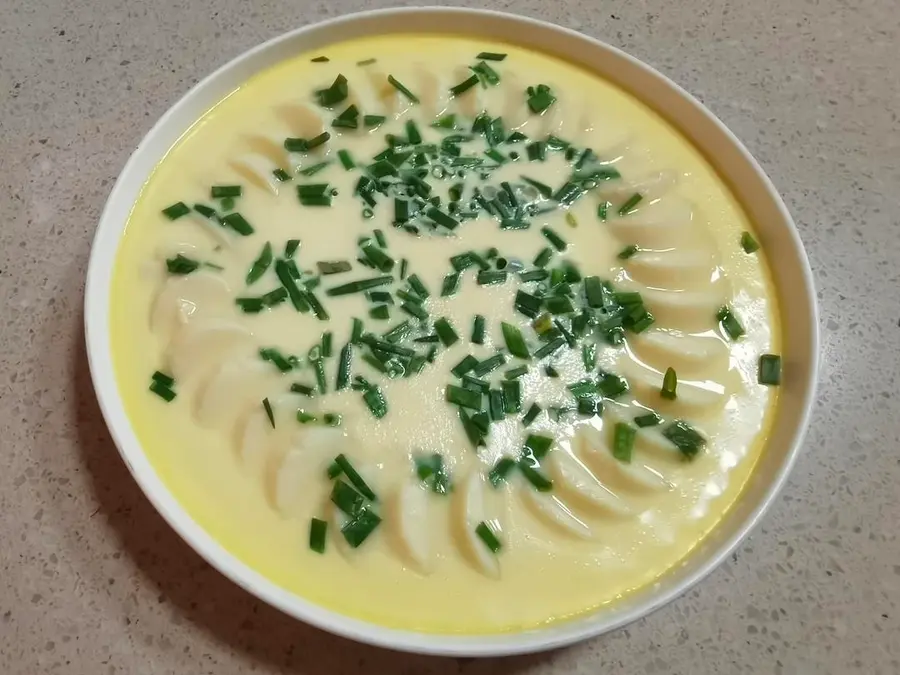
(91,579)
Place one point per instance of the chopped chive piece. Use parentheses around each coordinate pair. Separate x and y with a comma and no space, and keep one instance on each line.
(476,384)
(538,480)
(358,530)
(542,258)
(333,470)
(333,266)
(304,417)
(380,297)
(589,356)
(451,284)
(442,218)
(176,211)
(318,529)
(163,390)
(380,312)
(630,204)
(551,371)
(512,395)
(769,370)
(344,362)
(223,191)
(355,479)
(540,98)
(603,210)
(550,348)
(181,265)
(501,470)
(514,340)
(651,419)
(479,328)
(402,89)
(488,537)
(359,286)
(381,260)
(628,252)
(332,419)
(317,307)
(445,331)
(623,441)
(730,323)
(269,412)
(748,243)
(475,431)
(531,415)
(251,305)
(539,445)
(496,405)
(488,77)
(366,62)
(488,365)
(491,277)
(371,121)
(670,382)
(533,275)
(320,59)
(527,304)
(555,240)
(685,438)
(464,86)
(238,223)
(334,94)
(412,133)
(517,372)
(376,402)
(465,398)
(589,407)
(303,389)
(260,265)
(345,497)
(404,268)
(467,364)
(643,323)
(356,331)
(346,159)
(290,248)
(536,151)
(314,169)
(583,389)
(418,287)
(163,379)
(612,386)
(415,309)
(559,304)
(395,334)
(491,56)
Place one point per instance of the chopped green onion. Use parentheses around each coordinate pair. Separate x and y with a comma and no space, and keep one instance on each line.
(334,94)
(538,445)
(512,395)
(730,323)
(380,312)
(555,240)
(589,356)
(628,252)
(536,151)
(542,258)
(487,536)
(332,419)
(418,287)
(670,382)
(163,388)
(304,417)
(442,218)
(381,260)
(465,398)
(630,204)
(223,191)
(514,340)
(540,98)
(769,370)
(451,284)
(415,309)
(260,265)
(359,286)
(491,277)
(488,365)
(531,415)
(445,331)
(651,419)
(375,401)
(476,384)
(314,169)
(395,334)
(320,59)
(496,405)
(303,389)
(527,304)
(479,327)
(515,373)
(603,210)
(402,89)
(358,530)
(290,248)
(238,223)
(353,476)
(748,243)
(269,412)
(333,266)
(623,441)
(281,175)
(501,470)
(467,364)
(550,348)
(464,86)
(318,529)
(176,211)
(612,386)
(491,56)
(366,62)
(685,438)
(276,358)
(589,407)
(181,265)
(537,479)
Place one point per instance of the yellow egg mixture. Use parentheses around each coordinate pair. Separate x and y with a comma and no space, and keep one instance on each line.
(612,505)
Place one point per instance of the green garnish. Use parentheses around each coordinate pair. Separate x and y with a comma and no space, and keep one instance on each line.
(176,210)
(402,89)
(685,438)
(515,373)
(181,265)
(345,497)
(603,210)
(538,480)
(540,98)
(488,365)
(465,398)
(538,445)
(550,348)
(336,93)
(589,356)
(623,441)
(376,255)
(238,223)
(536,151)
(555,240)
(630,204)
(224,191)
(730,323)
(269,412)
(451,284)
(371,121)
(375,401)
(628,252)
(464,86)
(314,169)
(531,415)
(670,382)
(333,266)
(651,419)
(491,277)
(491,56)
(487,536)
(366,62)
(290,248)
(512,395)
(748,243)
(303,389)
(611,386)
(515,342)
(431,470)
(359,286)
(445,331)
(417,286)
(358,530)
(380,312)
(320,59)
(332,419)
(769,370)
(415,309)
(488,76)
(467,364)
(281,175)
(355,479)
(318,529)
(260,265)
(527,304)
(542,258)
(479,328)
(161,384)
(501,470)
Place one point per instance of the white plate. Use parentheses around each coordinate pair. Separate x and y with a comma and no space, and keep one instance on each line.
(752,187)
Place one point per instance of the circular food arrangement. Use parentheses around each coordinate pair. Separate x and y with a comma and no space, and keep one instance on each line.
(445,335)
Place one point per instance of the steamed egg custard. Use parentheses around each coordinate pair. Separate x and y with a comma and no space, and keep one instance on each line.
(445,335)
